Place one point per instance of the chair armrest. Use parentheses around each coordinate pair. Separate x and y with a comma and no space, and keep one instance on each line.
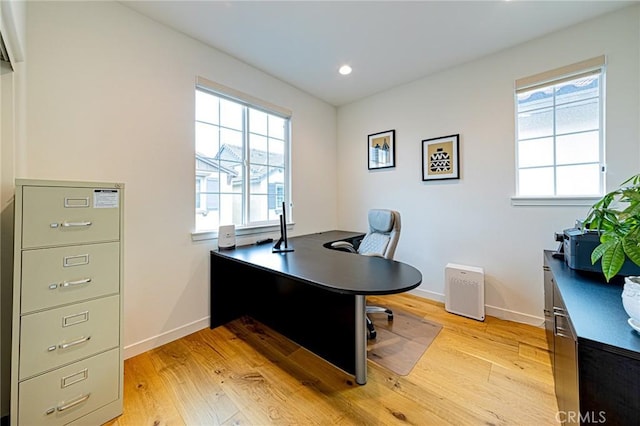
(343,245)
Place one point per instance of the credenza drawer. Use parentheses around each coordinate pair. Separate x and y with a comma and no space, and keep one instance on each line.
(63,275)
(68,393)
(67,215)
(52,338)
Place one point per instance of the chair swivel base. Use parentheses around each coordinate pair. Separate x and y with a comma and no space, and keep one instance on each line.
(371,331)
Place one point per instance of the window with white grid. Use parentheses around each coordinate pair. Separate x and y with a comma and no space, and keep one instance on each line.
(241,156)
(560,132)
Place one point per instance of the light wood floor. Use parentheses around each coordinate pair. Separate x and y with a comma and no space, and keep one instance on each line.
(493,372)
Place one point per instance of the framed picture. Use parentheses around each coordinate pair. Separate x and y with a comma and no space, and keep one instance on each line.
(381,150)
(440,158)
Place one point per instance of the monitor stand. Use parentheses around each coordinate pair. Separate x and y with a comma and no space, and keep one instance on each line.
(277,248)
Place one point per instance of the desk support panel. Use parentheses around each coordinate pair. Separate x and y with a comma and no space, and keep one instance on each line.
(323,321)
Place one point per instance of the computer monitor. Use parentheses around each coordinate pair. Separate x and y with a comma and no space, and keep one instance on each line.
(277,248)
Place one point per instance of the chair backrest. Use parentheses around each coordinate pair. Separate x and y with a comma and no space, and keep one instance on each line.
(383,235)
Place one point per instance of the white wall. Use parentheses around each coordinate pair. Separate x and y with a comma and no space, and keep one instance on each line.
(12,27)
(110,97)
(6,233)
(471,221)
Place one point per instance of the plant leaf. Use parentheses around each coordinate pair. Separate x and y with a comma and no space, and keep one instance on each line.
(612,259)
(635,179)
(631,249)
(597,212)
(616,217)
(598,252)
(634,208)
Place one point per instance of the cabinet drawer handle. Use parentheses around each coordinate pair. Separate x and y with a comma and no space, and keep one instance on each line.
(559,312)
(78,282)
(66,406)
(563,335)
(75,224)
(558,330)
(74,343)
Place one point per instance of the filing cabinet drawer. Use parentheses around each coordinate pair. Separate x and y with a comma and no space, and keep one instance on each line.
(65,394)
(63,275)
(67,215)
(59,336)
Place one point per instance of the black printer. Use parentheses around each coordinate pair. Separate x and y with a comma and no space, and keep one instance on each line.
(577,245)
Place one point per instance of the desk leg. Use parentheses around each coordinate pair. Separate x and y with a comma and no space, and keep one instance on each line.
(361,341)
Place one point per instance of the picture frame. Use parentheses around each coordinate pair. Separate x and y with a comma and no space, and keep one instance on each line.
(441,158)
(381,150)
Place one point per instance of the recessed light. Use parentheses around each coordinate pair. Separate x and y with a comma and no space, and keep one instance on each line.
(345,70)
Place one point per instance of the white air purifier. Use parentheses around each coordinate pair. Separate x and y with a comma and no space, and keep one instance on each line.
(464,290)
(227,237)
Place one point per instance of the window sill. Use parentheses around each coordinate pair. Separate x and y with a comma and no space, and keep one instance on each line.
(554,201)
(240,232)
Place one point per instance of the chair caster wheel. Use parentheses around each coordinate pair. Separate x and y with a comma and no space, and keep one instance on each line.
(372,335)
(390,317)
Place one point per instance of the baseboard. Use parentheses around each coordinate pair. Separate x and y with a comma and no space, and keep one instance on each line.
(494,311)
(164,338)
(514,316)
(431,295)
(177,333)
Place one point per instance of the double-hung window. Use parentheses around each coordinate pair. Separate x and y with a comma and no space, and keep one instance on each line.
(242,159)
(560,132)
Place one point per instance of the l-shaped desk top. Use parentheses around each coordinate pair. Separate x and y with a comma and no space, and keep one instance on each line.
(314,263)
(252,280)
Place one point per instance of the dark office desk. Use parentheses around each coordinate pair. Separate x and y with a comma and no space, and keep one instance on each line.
(314,295)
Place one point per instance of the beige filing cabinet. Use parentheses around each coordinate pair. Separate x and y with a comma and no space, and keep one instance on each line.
(67,363)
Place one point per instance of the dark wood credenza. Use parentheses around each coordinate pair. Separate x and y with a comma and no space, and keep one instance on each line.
(594,351)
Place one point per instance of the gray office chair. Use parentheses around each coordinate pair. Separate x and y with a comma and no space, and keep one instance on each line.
(381,241)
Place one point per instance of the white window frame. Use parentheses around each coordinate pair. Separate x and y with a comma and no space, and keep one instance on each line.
(254,103)
(550,78)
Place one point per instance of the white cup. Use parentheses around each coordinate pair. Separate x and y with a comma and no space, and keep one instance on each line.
(631,297)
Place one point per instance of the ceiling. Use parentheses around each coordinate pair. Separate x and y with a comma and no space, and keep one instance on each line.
(387,43)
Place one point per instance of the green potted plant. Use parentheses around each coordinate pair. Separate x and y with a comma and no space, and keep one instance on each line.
(616,217)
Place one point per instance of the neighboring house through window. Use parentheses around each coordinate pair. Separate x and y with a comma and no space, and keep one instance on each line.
(241,156)
(560,132)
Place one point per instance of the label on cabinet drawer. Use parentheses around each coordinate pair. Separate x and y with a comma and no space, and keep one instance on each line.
(74,378)
(74,319)
(70,261)
(65,394)
(81,202)
(60,336)
(106,198)
(53,277)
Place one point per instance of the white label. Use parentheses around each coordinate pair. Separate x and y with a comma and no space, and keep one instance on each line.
(106,198)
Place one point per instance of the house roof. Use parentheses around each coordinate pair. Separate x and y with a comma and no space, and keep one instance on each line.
(228,160)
